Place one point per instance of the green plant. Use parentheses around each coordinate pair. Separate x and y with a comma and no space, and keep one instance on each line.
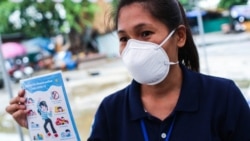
(226,4)
(6,9)
(46,18)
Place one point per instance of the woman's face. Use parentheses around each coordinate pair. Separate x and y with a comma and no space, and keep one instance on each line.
(135,22)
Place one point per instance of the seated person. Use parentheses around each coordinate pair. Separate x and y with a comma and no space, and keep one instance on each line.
(62,59)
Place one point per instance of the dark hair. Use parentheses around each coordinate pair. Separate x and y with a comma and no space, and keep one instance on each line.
(172,14)
(42,103)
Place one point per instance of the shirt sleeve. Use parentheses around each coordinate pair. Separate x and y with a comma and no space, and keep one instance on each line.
(237,115)
(99,130)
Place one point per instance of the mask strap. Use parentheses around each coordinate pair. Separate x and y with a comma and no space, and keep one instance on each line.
(174,63)
(165,40)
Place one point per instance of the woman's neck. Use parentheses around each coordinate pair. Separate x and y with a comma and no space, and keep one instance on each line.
(161,99)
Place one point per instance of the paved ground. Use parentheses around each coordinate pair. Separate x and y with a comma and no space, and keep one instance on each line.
(223,55)
(227,56)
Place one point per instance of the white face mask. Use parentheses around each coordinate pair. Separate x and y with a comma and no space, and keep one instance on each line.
(147,62)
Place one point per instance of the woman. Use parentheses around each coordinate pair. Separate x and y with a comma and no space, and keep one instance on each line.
(168,99)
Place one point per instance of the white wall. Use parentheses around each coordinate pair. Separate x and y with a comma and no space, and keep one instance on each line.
(108,44)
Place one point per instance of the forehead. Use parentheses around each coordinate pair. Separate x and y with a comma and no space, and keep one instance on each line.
(134,14)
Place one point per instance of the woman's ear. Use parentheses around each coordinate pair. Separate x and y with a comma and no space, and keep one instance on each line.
(181,35)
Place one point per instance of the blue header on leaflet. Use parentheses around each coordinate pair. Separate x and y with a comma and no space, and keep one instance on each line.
(42,83)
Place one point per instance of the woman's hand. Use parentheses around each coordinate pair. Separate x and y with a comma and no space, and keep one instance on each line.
(18,110)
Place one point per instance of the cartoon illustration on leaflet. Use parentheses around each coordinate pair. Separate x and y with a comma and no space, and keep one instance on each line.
(29,100)
(34,125)
(66,134)
(59,109)
(38,137)
(54,95)
(42,109)
(61,121)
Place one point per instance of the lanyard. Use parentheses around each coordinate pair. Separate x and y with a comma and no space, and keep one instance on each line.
(145,134)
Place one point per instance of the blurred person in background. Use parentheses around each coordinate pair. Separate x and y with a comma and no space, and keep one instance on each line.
(62,59)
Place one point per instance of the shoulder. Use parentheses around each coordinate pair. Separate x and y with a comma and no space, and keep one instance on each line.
(116,98)
(220,90)
(216,81)
(219,84)
(208,81)
(210,87)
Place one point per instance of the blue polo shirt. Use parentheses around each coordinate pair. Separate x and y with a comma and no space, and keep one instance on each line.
(208,109)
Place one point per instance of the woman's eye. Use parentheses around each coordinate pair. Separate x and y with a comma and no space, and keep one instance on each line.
(146,33)
(123,39)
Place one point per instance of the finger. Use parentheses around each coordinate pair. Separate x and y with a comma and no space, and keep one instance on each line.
(22,100)
(17,115)
(14,100)
(18,100)
(21,93)
(20,114)
(24,123)
(20,117)
(14,107)
(21,107)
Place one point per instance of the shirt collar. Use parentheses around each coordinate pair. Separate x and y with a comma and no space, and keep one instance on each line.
(187,102)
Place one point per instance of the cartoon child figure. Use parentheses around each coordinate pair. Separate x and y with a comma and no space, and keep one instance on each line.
(29,100)
(59,109)
(66,133)
(42,109)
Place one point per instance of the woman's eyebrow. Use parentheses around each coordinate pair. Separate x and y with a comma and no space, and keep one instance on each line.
(120,32)
(135,28)
(139,26)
